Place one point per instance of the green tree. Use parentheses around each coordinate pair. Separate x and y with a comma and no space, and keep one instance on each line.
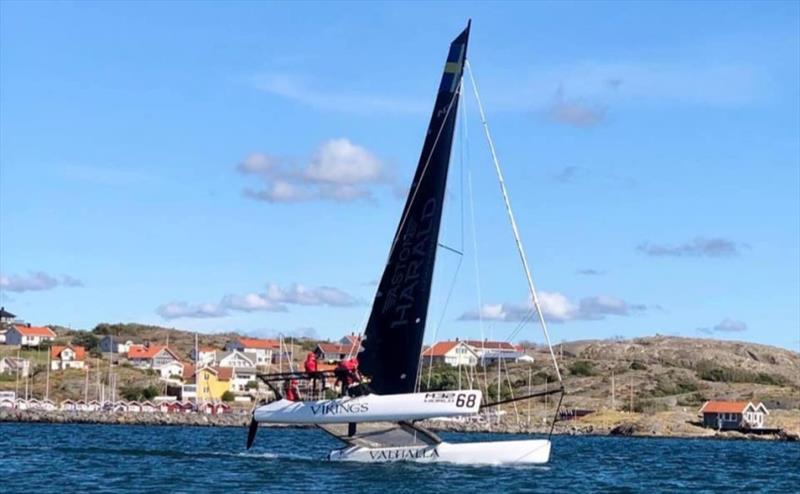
(228,396)
(86,340)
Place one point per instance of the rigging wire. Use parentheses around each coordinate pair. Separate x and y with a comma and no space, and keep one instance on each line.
(514,229)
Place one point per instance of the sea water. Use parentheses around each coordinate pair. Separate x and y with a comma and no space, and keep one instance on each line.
(41,458)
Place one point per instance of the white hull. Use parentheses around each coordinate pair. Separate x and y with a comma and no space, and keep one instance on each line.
(371,408)
(531,452)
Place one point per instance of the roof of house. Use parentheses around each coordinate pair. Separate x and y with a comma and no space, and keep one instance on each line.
(142,352)
(440,348)
(188,370)
(338,348)
(258,343)
(222,373)
(4,313)
(493,345)
(352,338)
(80,352)
(720,406)
(220,356)
(25,330)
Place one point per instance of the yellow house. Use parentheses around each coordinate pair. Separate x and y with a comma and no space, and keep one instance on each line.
(212,382)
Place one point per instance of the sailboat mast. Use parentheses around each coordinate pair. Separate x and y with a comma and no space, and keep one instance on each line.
(523,257)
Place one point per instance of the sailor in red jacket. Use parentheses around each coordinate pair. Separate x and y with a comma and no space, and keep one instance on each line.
(347,373)
(312,370)
(291,392)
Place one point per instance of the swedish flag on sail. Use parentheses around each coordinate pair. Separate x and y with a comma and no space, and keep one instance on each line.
(454,66)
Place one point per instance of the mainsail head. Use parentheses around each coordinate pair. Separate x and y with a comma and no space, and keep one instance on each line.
(396,326)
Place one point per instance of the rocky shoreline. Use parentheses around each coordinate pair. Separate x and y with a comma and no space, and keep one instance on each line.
(630,428)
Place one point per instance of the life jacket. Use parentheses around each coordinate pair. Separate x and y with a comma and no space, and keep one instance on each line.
(311,363)
(351,364)
(291,391)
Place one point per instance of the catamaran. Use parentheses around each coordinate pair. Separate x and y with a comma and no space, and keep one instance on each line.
(381,422)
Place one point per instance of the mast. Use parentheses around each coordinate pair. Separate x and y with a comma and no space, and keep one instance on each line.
(396,326)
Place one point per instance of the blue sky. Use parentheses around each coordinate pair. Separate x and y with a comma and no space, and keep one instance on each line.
(239,166)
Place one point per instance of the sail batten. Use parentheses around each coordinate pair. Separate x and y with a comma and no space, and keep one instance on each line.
(396,326)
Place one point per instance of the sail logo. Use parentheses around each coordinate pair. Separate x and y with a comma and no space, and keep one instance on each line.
(334,408)
(413,254)
(403,454)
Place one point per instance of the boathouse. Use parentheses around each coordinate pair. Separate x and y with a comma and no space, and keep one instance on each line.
(733,415)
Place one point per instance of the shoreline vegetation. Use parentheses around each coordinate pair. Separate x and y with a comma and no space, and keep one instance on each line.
(666,425)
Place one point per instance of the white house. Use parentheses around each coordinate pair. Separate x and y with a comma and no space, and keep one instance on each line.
(236,358)
(151,357)
(263,349)
(726,415)
(452,353)
(351,339)
(205,355)
(171,370)
(492,351)
(114,344)
(67,357)
(27,335)
(6,317)
(70,405)
(241,377)
(12,365)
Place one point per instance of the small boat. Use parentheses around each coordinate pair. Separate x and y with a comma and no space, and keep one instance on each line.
(380,424)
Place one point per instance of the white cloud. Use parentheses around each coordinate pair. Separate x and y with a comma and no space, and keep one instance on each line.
(339,161)
(259,163)
(338,170)
(175,310)
(356,102)
(252,302)
(36,281)
(727,325)
(557,308)
(274,299)
(698,247)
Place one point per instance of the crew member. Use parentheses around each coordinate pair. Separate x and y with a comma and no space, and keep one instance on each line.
(290,390)
(347,373)
(312,370)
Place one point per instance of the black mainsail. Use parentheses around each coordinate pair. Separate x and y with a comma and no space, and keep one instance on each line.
(396,326)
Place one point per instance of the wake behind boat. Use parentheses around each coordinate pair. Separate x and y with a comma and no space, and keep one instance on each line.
(376,419)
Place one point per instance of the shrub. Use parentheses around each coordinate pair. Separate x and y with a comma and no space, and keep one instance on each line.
(582,368)
(138,393)
(709,371)
(442,378)
(87,340)
(636,365)
(227,396)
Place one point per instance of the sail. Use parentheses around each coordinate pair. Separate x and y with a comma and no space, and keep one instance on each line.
(396,325)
